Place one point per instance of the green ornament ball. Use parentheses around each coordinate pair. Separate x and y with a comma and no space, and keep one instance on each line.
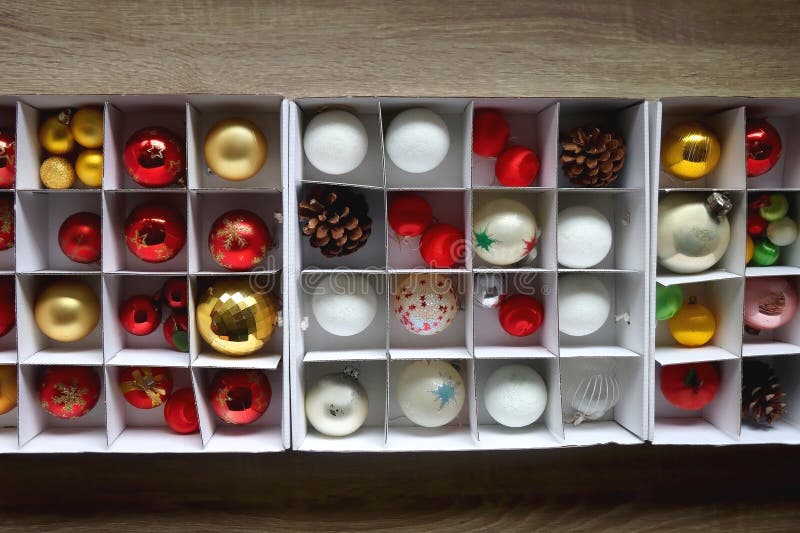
(776,209)
(669,300)
(765,253)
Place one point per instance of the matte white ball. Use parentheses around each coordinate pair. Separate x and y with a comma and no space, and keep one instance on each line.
(515,395)
(336,405)
(782,232)
(335,142)
(430,392)
(583,304)
(584,237)
(417,140)
(344,304)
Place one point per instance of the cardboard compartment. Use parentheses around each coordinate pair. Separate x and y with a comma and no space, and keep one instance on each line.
(780,341)
(8,342)
(786,430)
(7,257)
(9,440)
(788,262)
(784,115)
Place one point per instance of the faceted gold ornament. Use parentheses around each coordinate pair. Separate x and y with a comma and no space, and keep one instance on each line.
(55,134)
(235,149)
(235,319)
(690,151)
(89,167)
(67,310)
(87,127)
(57,172)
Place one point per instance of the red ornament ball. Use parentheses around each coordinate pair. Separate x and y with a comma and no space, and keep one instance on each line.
(176,330)
(240,396)
(689,386)
(238,240)
(442,245)
(762,146)
(80,238)
(756,225)
(409,214)
(139,315)
(6,222)
(145,387)
(69,391)
(174,293)
(8,160)
(516,167)
(490,133)
(155,233)
(154,157)
(521,315)
(8,315)
(180,412)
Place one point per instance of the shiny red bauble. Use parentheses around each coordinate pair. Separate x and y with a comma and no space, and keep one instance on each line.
(442,245)
(145,387)
(490,133)
(8,160)
(756,224)
(762,147)
(689,386)
(139,315)
(176,330)
(174,293)
(238,240)
(154,157)
(409,214)
(155,232)
(80,239)
(180,412)
(6,222)
(69,391)
(8,316)
(240,396)
(516,167)
(521,315)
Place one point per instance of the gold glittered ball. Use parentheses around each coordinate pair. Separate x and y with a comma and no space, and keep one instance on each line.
(89,167)
(87,127)
(67,310)
(55,135)
(690,151)
(235,319)
(57,172)
(235,149)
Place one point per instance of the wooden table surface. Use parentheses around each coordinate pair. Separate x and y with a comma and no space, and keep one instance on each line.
(488,48)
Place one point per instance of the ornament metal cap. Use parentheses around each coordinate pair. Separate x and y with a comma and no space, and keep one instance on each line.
(719,204)
(65,116)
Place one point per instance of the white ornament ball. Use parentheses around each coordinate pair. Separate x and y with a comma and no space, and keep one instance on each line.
(425,304)
(344,304)
(583,304)
(335,142)
(336,405)
(782,232)
(504,232)
(417,140)
(430,393)
(515,395)
(584,237)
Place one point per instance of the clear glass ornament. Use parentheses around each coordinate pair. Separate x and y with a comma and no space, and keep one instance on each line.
(591,390)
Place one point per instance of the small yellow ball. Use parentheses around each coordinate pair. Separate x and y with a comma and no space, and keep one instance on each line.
(67,311)
(87,127)
(690,151)
(750,249)
(57,172)
(56,136)
(8,388)
(693,325)
(235,149)
(89,167)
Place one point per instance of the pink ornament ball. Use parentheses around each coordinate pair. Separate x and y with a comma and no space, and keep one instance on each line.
(769,303)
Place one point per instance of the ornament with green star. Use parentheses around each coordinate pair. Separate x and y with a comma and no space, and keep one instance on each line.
(484,240)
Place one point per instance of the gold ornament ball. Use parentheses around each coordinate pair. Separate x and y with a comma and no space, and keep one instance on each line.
(87,127)
(8,388)
(690,151)
(89,167)
(235,319)
(56,136)
(67,311)
(235,149)
(57,172)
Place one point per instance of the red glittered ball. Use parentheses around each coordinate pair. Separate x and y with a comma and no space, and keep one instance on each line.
(238,240)
(8,160)
(80,239)
(8,316)
(180,412)
(6,222)
(69,391)
(240,396)
(516,167)
(521,315)
(155,232)
(176,330)
(409,214)
(145,387)
(756,225)
(154,157)
(139,315)
(174,293)
(490,133)
(442,245)
(762,147)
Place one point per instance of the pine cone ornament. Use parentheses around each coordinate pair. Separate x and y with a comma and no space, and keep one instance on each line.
(335,219)
(762,397)
(592,157)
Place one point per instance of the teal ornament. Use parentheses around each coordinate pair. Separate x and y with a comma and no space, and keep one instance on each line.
(669,300)
(765,253)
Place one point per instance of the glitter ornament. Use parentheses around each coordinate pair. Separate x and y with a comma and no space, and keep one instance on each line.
(520,315)
(425,304)
(504,232)
(57,172)
(590,389)
(154,158)
(515,395)
(89,168)
(335,142)
(80,239)
(489,290)
(409,214)
(8,388)
(240,397)
(55,135)
(669,300)
(782,232)
(765,253)
(336,404)
(690,151)
(430,393)
(8,160)
(344,305)
(67,310)
(583,304)
(8,315)
(516,166)
(235,149)
(490,132)
(769,303)
(145,387)
(689,386)
(238,240)
(583,238)
(417,140)
(693,325)
(139,315)
(69,391)
(442,245)
(180,412)
(86,126)
(176,330)
(155,232)
(762,147)
(7,222)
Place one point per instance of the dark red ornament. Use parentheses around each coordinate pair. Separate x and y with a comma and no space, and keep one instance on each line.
(139,315)
(409,214)
(8,316)
(756,225)
(155,232)
(180,412)
(8,160)
(174,293)
(521,315)
(689,386)
(240,396)
(516,167)
(442,245)
(6,221)
(145,387)
(238,240)
(176,330)
(80,239)
(154,157)
(762,146)
(490,133)
(69,391)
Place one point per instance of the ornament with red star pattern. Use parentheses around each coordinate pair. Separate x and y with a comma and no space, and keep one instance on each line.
(176,330)
(145,387)
(155,233)
(240,396)
(238,240)
(8,160)
(504,232)
(6,222)
(425,304)
(154,158)
(69,391)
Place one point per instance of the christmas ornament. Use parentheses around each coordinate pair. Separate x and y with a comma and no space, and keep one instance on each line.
(238,240)
(240,396)
(235,149)
(782,232)
(155,232)
(89,168)
(504,232)
(79,237)
(592,157)
(344,305)
(490,132)
(749,249)
(590,389)
(583,305)
(336,404)
(7,223)
(87,127)
(583,237)
(762,147)
(8,160)
(176,330)
(765,253)
(234,319)
(145,387)
(774,207)
(516,166)
(769,303)
(762,396)
(442,245)
(515,395)
(154,157)
(521,315)
(409,214)
(689,386)
(174,294)
(67,310)
(425,304)
(335,220)
(693,325)
(335,142)
(669,300)
(180,412)
(430,392)
(69,391)
(756,225)
(693,231)
(55,135)
(489,290)
(417,140)
(8,315)
(690,151)
(139,315)
(8,388)
(57,173)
